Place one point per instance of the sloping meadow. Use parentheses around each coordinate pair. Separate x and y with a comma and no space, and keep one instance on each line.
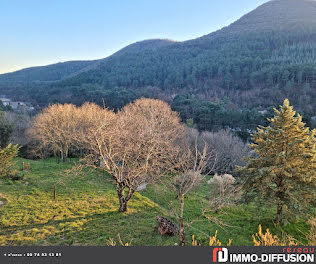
(84,212)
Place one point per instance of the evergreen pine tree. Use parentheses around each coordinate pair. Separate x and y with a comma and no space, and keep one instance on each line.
(283,167)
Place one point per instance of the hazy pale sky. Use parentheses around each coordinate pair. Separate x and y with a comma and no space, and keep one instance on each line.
(41,32)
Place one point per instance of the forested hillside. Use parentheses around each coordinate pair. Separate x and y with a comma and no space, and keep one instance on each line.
(50,73)
(251,65)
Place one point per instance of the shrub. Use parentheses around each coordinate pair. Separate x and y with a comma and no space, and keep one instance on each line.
(111,242)
(260,239)
(6,163)
(20,122)
(268,239)
(213,241)
(222,183)
(311,236)
(6,130)
(26,166)
(223,191)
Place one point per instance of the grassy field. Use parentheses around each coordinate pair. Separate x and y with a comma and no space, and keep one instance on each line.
(85,212)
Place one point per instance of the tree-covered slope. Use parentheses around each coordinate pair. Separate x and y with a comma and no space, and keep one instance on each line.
(62,70)
(53,72)
(288,15)
(268,54)
(265,56)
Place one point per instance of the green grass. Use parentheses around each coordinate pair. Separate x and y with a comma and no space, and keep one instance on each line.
(85,212)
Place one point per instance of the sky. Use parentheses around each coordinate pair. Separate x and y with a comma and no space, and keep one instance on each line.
(41,32)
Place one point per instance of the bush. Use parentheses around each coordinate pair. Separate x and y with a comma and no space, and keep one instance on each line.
(268,239)
(20,123)
(311,236)
(222,183)
(213,241)
(223,192)
(6,163)
(5,130)
(259,239)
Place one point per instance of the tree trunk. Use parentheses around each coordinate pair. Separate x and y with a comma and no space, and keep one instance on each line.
(279,212)
(64,155)
(123,206)
(54,192)
(57,154)
(280,195)
(123,196)
(182,230)
(122,200)
(123,203)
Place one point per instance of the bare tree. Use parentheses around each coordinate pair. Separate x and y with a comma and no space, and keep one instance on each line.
(91,117)
(191,171)
(230,149)
(55,127)
(20,122)
(136,145)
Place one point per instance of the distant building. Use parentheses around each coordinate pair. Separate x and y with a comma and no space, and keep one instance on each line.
(16,105)
(6,101)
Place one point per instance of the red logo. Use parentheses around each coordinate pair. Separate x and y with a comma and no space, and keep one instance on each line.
(220,254)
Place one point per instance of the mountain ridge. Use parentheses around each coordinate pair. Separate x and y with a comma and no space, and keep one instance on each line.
(255,62)
(85,65)
(235,26)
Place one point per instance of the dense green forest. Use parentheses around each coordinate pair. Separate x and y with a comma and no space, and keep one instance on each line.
(218,80)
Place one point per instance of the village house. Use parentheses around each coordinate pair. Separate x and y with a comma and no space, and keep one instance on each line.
(16,105)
